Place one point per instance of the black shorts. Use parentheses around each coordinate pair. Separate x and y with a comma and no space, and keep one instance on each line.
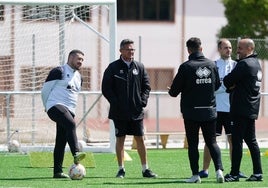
(223,120)
(128,127)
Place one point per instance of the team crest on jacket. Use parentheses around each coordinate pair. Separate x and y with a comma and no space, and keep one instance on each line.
(135,72)
(203,74)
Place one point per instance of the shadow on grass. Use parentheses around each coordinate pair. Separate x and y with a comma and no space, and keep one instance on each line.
(112,181)
(26,178)
(144,182)
(165,182)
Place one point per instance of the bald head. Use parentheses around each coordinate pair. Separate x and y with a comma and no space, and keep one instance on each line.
(224,48)
(245,48)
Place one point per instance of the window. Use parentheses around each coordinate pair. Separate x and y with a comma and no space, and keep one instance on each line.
(160,78)
(45,13)
(86,76)
(6,73)
(32,79)
(2,12)
(6,83)
(146,10)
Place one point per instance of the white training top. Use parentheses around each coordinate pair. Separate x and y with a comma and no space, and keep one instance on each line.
(64,91)
(222,98)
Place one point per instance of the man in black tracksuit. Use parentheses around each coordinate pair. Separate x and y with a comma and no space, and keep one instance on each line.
(244,84)
(126,86)
(197,80)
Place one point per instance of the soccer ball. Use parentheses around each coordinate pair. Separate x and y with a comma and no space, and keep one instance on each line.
(77,171)
(13,146)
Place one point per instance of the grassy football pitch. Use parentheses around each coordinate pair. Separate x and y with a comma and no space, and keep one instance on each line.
(171,165)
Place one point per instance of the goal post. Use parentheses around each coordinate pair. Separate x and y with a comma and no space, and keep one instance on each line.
(36,36)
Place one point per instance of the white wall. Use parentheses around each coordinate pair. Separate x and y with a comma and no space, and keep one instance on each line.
(161,42)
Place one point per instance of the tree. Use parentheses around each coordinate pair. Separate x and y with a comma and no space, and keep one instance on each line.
(247,18)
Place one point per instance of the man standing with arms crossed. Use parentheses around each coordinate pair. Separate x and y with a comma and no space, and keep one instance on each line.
(244,84)
(225,65)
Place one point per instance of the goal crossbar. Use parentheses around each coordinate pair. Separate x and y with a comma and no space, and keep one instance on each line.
(59,2)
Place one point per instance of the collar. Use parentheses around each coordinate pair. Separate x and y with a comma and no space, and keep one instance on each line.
(225,60)
(254,55)
(128,63)
(70,68)
(196,55)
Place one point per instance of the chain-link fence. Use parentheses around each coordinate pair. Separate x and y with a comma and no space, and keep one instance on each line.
(162,114)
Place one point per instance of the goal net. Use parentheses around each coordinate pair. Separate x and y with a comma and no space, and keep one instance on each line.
(36,36)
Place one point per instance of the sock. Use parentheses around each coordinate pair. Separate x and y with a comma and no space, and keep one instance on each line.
(121,167)
(144,167)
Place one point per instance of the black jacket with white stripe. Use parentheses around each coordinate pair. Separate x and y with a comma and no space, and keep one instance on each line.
(197,80)
(127,90)
(245,82)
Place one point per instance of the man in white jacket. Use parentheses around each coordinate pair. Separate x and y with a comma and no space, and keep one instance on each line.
(225,65)
(59,95)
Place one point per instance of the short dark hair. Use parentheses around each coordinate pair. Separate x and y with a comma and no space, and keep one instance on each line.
(126,41)
(75,51)
(193,44)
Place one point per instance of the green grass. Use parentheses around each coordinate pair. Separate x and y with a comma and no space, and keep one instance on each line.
(171,165)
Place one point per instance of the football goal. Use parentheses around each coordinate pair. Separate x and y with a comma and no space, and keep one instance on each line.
(36,36)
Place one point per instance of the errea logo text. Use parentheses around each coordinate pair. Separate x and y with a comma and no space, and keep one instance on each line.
(203,74)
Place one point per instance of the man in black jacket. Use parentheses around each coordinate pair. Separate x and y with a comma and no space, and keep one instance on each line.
(197,80)
(244,84)
(126,86)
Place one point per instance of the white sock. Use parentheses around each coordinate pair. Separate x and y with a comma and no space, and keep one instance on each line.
(144,167)
(121,167)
